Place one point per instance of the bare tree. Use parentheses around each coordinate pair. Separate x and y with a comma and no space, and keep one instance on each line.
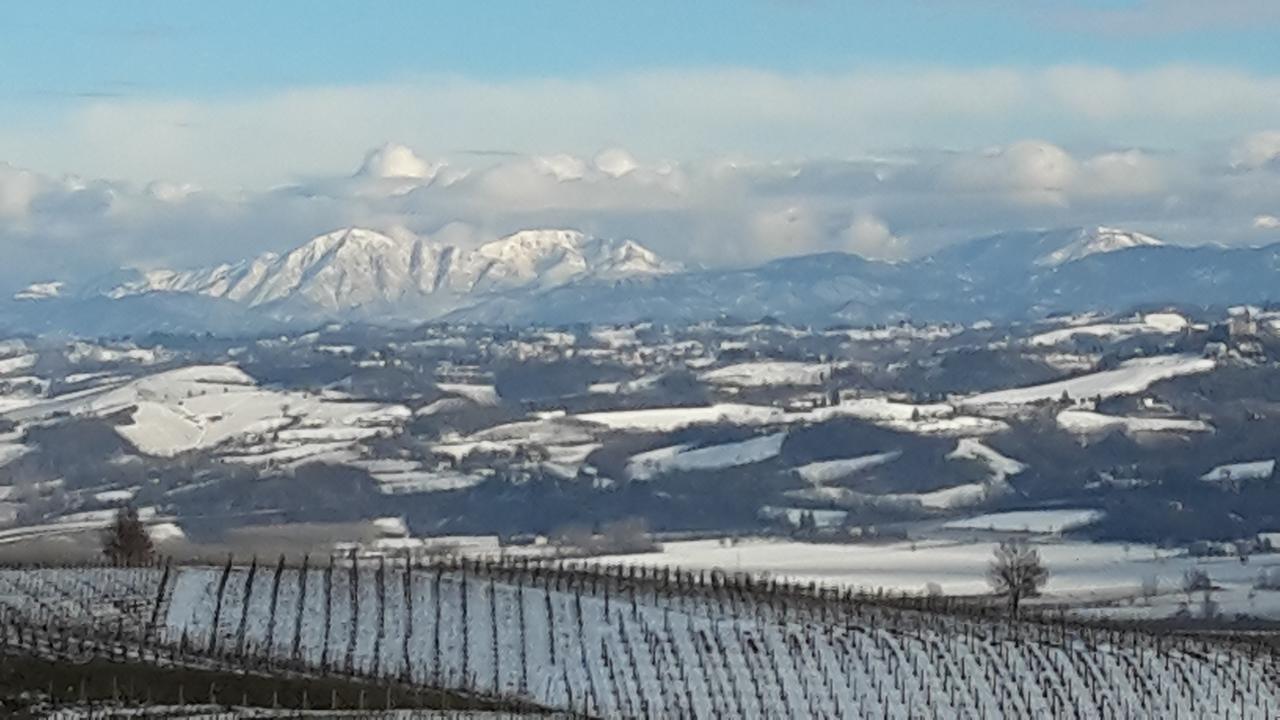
(1016,572)
(1150,587)
(127,542)
(1195,580)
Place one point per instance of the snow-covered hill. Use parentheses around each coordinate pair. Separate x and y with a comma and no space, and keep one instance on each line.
(355,269)
(1094,241)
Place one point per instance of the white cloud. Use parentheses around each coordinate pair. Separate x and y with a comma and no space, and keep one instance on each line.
(1030,171)
(725,211)
(868,236)
(1129,172)
(394,161)
(17,189)
(690,115)
(562,166)
(1257,150)
(1266,222)
(615,162)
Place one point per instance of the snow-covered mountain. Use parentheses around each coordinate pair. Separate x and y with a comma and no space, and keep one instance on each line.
(564,277)
(1093,241)
(355,270)
(1012,275)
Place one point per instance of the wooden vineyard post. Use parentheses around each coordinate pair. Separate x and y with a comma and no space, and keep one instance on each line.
(353,593)
(296,651)
(380,588)
(217,606)
(155,608)
(524,651)
(466,624)
(493,628)
(407,668)
(328,613)
(246,597)
(271,614)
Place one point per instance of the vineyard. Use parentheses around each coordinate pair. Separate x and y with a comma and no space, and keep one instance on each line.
(634,642)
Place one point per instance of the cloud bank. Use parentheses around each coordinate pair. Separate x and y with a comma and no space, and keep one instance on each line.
(708,167)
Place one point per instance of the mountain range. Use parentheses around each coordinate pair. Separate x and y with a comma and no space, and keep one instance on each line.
(565,276)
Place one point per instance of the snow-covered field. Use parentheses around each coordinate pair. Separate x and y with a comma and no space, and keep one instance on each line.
(829,470)
(1087,422)
(1256,470)
(761,374)
(1032,521)
(222,410)
(612,649)
(1152,323)
(999,466)
(669,419)
(713,457)
(1130,377)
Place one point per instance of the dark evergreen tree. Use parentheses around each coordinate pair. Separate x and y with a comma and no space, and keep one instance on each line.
(127,542)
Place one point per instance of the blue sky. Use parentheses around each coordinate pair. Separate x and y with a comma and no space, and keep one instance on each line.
(149,133)
(154,47)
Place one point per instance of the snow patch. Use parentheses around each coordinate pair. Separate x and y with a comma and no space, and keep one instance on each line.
(646,466)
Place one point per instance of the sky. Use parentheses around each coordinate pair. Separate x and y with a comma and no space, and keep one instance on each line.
(149,134)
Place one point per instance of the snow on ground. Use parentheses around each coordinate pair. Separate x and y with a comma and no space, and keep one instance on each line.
(82,352)
(958,426)
(11,446)
(944,499)
(793,516)
(391,526)
(165,532)
(1070,362)
(426,481)
(678,458)
(398,476)
(8,366)
(693,657)
(554,430)
(828,470)
(1000,466)
(40,291)
(115,497)
(950,498)
(958,567)
(1033,521)
(770,372)
(885,409)
(1087,422)
(930,419)
(1130,377)
(1152,323)
(675,418)
(479,394)
(639,384)
(937,419)
(571,454)
(615,337)
(1257,470)
(221,407)
(443,405)
(565,441)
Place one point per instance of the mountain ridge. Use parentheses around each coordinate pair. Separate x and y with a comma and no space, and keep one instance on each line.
(354,268)
(562,277)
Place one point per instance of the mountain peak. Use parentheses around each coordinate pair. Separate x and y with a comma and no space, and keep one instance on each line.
(361,269)
(1094,241)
